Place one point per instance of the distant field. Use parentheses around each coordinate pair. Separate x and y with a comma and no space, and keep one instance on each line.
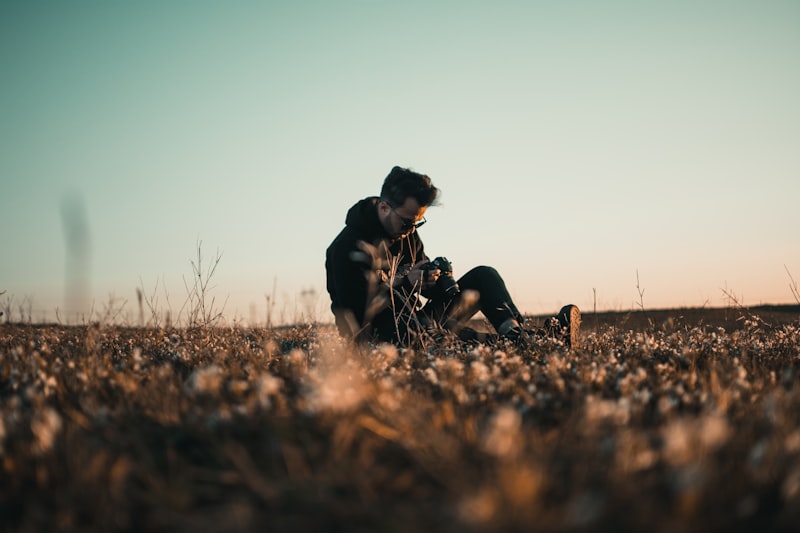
(673,420)
(730,318)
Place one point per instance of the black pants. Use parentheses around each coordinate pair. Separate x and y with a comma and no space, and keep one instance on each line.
(482,289)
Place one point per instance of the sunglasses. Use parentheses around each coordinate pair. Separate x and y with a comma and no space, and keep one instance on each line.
(409,223)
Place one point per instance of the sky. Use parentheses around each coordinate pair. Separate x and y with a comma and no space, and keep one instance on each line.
(614,155)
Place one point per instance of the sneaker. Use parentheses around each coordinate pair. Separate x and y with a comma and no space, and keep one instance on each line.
(569,322)
(517,336)
(470,335)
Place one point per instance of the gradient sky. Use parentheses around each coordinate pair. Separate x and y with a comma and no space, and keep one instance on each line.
(576,143)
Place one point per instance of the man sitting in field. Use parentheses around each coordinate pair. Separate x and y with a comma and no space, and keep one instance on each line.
(377,269)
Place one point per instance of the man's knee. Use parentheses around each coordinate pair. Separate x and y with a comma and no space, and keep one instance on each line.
(480,275)
(487,271)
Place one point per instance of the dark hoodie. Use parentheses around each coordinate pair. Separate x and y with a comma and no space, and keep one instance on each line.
(359,265)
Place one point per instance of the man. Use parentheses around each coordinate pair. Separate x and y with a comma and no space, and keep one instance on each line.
(377,270)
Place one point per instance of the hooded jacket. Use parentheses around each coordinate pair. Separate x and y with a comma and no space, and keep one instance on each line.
(361,263)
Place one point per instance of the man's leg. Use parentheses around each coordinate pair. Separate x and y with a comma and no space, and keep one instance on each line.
(482,289)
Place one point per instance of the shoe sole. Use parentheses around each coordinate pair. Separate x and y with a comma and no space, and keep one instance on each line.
(570,318)
(574,326)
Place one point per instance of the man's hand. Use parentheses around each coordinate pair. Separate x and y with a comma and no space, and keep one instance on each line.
(427,277)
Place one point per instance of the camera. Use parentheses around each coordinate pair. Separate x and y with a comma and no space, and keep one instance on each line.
(445,282)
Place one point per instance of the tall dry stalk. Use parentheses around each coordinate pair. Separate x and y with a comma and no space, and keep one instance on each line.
(734,302)
(158,317)
(640,303)
(793,286)
(200,305)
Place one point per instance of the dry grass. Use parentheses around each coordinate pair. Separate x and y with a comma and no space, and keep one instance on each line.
(676,424)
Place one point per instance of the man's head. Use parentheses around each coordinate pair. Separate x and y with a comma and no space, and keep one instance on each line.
(405,196)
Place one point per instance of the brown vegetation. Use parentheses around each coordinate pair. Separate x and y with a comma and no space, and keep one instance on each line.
(658,420)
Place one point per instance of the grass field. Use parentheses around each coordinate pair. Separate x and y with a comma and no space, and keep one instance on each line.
(675,420)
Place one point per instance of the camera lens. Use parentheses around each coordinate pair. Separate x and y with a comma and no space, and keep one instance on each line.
(448,285)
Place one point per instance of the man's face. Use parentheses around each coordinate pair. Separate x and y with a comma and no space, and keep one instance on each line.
(402,220)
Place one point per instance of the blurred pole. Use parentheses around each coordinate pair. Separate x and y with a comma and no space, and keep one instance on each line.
(77,258)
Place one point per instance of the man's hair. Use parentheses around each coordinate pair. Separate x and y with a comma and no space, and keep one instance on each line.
(402,183)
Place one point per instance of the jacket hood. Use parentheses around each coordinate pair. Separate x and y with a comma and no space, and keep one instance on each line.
(363,217)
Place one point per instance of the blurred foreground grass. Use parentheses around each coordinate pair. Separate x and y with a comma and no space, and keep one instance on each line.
(670,423)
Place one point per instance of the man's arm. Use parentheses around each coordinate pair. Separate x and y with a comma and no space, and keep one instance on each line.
(348,287)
